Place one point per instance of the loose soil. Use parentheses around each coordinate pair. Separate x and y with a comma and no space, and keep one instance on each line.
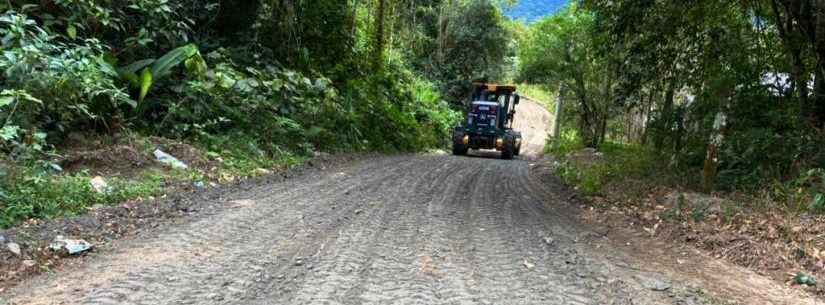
(408,229)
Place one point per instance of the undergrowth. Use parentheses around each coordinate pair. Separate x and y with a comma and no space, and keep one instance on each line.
(248,117)
(540,94)
(40,195)
(590,171)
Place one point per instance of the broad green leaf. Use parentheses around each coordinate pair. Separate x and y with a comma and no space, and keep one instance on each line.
(163,66)
(6,100)
(28,97)
(146,79)
(71,31)
(135,66)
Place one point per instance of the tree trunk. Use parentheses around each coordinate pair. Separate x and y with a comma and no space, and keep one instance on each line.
(712,156)
(818,107)
(354,19)
(723,93)
(443,25)
(666,122)
(648,108)
(785,17)
(380,38)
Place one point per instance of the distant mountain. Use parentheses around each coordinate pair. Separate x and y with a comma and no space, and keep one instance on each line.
(532,10)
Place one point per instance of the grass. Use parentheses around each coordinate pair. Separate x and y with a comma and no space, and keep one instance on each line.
(539,94)
(41,195)
(589,173)
(32,192)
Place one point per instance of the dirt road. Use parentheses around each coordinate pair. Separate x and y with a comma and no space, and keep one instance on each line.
(414,229)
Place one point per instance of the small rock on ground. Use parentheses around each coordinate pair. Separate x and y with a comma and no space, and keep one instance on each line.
(14,248)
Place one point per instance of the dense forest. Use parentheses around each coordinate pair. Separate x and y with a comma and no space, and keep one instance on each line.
(250,82)
(734,92)
(731,91)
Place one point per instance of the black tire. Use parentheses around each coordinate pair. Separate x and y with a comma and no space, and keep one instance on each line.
(509,148)
(459,149)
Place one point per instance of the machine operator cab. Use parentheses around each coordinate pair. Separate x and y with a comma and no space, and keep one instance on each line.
(492,107)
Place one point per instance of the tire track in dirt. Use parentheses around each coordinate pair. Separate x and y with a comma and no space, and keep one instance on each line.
(141,274)
(413,229)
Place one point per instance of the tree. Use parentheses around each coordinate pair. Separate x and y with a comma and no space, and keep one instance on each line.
(472,44)
(560,52)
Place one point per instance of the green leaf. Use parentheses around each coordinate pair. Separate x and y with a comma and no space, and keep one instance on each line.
(6,100)
(163,66)
(135,67)
(107,68)
(131,102)
(146,80)
(196,66)
(71,30)
(8,133)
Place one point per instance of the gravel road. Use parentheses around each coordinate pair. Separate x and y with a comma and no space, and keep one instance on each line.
(411,229)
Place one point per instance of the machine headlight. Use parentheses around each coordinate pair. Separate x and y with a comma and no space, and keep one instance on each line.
(465,140)
(499,143)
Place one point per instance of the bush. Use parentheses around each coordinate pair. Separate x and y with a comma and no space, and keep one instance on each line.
(617,161)
(398,112)
(57,86)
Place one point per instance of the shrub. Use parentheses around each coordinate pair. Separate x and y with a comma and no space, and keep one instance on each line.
(57,86)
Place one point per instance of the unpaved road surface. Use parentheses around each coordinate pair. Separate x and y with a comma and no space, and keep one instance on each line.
(415,229)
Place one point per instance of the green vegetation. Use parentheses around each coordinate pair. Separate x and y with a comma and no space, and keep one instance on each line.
(728,95)
(252,84)
(590,171)
(540,94)
(42,196)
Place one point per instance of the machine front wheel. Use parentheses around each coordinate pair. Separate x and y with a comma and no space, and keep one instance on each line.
(459,149)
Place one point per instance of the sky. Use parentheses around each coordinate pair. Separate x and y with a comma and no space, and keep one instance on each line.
(532,10)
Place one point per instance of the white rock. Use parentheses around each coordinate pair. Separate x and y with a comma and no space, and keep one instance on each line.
(99,185)
(14,248)
(261,172)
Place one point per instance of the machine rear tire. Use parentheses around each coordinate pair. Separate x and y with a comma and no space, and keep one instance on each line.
(509,148)
(517,138)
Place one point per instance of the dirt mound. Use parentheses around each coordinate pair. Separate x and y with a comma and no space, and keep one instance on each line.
(185,152)
(126,157)
(117,160)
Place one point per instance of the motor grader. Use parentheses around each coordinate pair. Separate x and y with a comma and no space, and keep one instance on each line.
(489,123)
